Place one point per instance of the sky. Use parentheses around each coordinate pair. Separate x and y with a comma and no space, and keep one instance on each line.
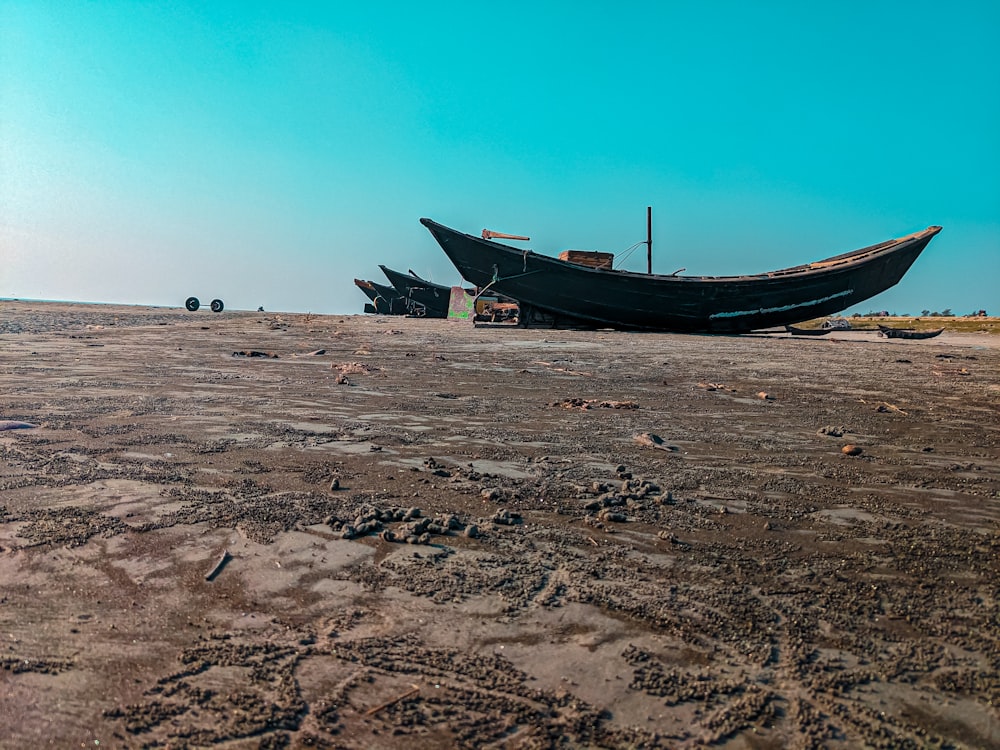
(268,153)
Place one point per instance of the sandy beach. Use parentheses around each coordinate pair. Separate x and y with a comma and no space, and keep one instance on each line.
(261,530)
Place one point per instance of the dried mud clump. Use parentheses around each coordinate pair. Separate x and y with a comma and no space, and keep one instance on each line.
(22,665)
(69,526)
(400,525)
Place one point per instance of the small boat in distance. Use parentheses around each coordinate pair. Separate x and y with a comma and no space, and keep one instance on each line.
(557,293)
(907,333)
(808,331)
(384,299)
(367,288)
(433,297)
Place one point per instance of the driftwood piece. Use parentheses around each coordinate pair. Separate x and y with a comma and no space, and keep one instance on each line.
(13,424)
(408,694)
(223,561)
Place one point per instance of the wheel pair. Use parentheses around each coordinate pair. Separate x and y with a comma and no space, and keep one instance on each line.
(192,304)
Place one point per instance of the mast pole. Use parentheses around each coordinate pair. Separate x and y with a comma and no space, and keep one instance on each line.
(649,239)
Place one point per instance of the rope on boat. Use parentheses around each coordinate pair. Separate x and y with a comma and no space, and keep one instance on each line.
(627,252)
(515,276)
(497,277)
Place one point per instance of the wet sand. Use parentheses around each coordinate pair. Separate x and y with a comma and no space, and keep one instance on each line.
(397,532)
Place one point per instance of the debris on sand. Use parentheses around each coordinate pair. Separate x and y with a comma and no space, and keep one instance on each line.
(941,371)
(612,516)
(669,536)
(764,396)
(654,441)
(885,406)
(355,368)
(352,368)
(832,431)
(852,450)
(256,354)
(714,387)
(564,370)
(584,404)
(504,517)
(13,424)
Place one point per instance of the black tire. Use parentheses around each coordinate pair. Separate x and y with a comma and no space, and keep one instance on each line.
(217,305)
(192,304)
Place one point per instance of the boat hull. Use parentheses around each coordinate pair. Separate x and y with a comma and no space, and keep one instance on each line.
(567,294)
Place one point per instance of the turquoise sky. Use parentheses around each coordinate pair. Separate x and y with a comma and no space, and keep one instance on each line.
(269,153)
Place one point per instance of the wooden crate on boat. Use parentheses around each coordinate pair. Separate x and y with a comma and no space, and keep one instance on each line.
(590,258)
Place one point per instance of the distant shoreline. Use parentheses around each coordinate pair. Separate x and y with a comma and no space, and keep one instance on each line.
(84,302)
(178,306)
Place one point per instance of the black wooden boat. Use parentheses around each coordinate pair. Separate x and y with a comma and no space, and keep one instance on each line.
(384,299)
(795,331)
(562,293)
(907,333)
(397,303)
(435,298)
